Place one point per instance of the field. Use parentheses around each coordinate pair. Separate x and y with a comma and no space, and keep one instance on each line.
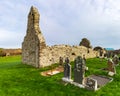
(17,79)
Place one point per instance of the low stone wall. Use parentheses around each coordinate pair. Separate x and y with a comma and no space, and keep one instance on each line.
(51,55)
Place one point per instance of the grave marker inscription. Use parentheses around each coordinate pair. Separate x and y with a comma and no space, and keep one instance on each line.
(79,70)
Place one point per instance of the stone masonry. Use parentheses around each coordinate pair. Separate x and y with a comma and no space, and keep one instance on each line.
(35,52)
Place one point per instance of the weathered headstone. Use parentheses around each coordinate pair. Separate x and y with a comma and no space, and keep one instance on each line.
(67,60)
(116,60)
(111,67)
(67,69)
(84,61)
(61,61)
(91,84)
(79,70)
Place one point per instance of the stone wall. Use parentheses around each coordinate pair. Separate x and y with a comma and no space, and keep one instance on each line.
(33,42)
(52,54)
(36,53)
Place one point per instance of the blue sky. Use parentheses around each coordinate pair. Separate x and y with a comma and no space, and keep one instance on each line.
(62,21)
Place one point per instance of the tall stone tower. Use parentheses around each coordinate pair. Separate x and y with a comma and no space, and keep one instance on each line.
(34,41)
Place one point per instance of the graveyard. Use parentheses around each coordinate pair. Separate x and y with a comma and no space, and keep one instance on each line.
(58,70)
(37,53)
(18,79)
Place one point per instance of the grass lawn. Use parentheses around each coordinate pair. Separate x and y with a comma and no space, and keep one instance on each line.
(17,79)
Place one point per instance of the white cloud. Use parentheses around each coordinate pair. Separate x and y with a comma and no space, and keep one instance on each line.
(10,39)
(64,21)
(73,20)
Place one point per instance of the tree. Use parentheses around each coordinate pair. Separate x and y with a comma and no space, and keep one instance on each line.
(85,42)
(2,53)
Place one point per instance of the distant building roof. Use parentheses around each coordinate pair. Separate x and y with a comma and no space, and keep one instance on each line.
(109,49)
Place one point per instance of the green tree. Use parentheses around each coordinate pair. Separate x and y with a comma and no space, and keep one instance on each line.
(85,42)
(2,53)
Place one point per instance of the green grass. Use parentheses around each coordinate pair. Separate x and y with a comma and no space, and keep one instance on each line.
(17,79)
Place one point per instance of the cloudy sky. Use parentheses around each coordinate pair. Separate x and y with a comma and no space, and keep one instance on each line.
(62,21)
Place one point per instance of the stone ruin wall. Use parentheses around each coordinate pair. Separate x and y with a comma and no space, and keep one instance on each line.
(33,42)
(36,53)
(52,54)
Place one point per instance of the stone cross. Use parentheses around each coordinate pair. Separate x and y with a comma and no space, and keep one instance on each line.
(67,69)
(79,70)
(111,67)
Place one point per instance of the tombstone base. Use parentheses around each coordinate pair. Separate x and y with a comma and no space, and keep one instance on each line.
(99,81)
(53,72)
(67,80)
(71,82)
(78,85)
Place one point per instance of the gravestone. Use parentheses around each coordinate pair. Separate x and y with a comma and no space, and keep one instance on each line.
(79,70)
(67,60)
(61,61)
(111,67)
(67,69)
(91,84)
(84,61)
(116,60)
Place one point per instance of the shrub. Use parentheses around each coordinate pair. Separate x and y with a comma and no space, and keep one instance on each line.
(2,53)
(85,42)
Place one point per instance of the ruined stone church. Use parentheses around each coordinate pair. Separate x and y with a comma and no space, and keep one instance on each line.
(35,52)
